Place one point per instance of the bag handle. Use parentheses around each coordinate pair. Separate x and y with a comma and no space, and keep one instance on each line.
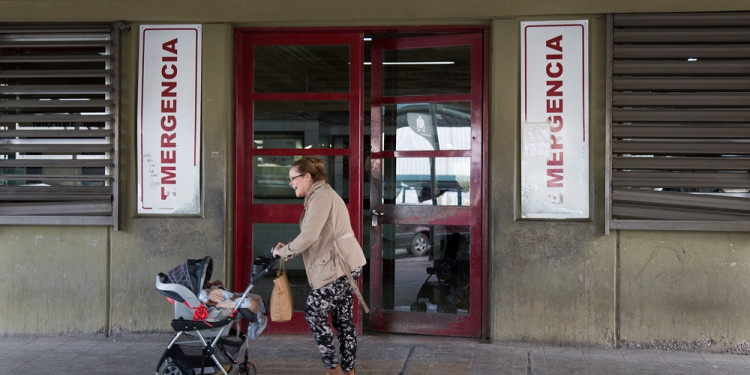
(282,267)
(349,277)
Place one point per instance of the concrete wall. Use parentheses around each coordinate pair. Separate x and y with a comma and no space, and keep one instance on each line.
(333,12)
(55,279)
(145,246)
(551,282)
(568,283)
(684,290)
(84,279)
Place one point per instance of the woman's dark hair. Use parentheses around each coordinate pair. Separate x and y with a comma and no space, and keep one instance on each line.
(311,165)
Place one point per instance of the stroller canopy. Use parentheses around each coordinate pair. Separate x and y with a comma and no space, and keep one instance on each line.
(193,274)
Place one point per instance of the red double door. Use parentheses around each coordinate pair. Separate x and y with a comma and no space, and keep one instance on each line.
(399,120)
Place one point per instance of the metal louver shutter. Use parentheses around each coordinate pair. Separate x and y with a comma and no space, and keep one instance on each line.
(58,123)
(679,121)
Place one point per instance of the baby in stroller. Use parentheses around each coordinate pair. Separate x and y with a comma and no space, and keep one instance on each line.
(204,316)
(220,301)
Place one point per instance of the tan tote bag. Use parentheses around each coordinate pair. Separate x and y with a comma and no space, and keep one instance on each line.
(281,296)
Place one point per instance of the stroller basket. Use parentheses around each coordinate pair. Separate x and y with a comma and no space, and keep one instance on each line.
(192,359)
(207,340)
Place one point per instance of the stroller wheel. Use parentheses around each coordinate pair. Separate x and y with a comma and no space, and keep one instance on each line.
(418,307)
(243,365)
(448,309)
(248,370)
(170,369)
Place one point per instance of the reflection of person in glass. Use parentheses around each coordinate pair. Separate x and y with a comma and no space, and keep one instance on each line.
(325,225)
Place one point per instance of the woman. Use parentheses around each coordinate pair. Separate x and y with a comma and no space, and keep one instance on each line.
(330,253)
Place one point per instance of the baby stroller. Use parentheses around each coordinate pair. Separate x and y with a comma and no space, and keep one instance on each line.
(449,288)
(207,339)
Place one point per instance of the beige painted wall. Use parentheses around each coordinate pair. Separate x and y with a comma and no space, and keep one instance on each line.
(551,282)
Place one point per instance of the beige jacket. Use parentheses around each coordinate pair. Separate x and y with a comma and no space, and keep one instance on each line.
(324,224)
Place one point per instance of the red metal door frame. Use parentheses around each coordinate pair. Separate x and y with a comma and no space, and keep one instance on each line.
(249,213)
(426,323)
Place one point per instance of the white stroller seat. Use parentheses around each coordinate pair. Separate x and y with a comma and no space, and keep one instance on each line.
(182,285)
(185,301)
(187,307)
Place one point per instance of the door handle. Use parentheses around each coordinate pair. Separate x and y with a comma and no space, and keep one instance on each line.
(375,215)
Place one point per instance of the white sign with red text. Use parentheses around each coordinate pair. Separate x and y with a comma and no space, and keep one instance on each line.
(168,119)
(554,120)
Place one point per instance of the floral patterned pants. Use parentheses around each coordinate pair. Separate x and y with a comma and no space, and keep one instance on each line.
(334,299)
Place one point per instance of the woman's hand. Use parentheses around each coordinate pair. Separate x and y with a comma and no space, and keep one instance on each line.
(277,248)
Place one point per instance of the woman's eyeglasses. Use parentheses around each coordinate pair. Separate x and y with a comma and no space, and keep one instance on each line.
(299,175)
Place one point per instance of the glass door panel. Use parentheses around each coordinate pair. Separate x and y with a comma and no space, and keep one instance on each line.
(425,188)
(301,124)
(413,71)
(271,178)
(427,126)
(301,68)
(427,181)
(432,270)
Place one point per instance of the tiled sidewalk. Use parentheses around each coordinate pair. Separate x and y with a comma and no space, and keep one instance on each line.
(378,355)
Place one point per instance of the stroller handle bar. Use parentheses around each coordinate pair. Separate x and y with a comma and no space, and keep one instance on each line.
(253,279)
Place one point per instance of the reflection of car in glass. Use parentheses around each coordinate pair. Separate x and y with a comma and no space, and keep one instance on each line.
(415,238)
(418,238)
